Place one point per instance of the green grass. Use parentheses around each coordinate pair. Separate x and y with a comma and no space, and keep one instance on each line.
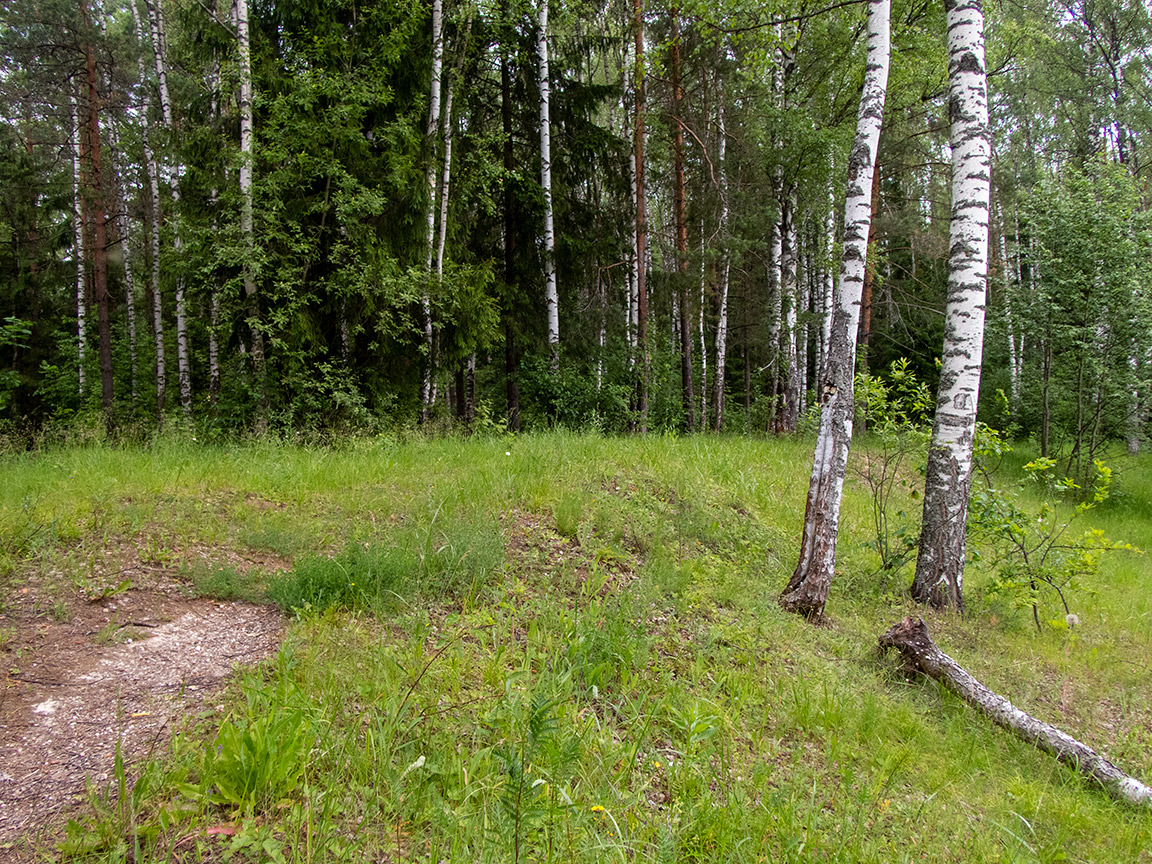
(566,648)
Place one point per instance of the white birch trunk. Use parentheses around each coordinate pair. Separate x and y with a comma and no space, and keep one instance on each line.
(183,364)
(1010,318)
(427,395)
(910,637)
(247,228)
(156,26)
(790,302)
(828,296)
(940,561)
(78,249)
(122,229)
(551,295)
(153,173)
(445,183)
(807,591)
(725,271)
(703,341)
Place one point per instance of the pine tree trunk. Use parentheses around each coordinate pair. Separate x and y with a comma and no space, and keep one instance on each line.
(940,562)
(78,249)
(247,164)
(725,271)
(551,296)
(807,591)
(99,211)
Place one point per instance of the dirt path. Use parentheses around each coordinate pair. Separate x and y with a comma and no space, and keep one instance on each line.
(127,668)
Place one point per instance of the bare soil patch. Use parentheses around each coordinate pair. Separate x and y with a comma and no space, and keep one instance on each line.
(127,668)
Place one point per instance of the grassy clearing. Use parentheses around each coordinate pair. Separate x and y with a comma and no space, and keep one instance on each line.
(567,648)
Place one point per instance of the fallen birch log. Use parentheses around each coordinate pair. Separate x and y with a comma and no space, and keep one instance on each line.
(910,637)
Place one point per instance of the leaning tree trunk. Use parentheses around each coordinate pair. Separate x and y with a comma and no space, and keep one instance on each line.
(725,271)
(940,562)
(78,249)
(551,296)
(807,591)
(246,216)
(920,654)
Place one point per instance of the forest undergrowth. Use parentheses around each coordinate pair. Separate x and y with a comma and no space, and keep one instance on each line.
(565,647)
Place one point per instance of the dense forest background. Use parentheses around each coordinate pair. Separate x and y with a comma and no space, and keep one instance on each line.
(335,214)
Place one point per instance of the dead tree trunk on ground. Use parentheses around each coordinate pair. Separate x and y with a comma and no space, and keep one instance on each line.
(910,637)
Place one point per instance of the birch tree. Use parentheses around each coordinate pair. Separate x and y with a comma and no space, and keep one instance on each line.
(247,163)
(551,296)
(940,561)
(430,180)
(725,272)
(159,54)
(807,590)
(78,249)
(641,212)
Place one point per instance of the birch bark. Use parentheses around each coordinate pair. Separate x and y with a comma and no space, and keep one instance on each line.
(680,217)
(940,561)
(152,171)
(247,163)
(641,215)
(551,295)
(426,396)
(910,637)
(790,372)
(78,249)
(172,172)
(725,270)
(807,591)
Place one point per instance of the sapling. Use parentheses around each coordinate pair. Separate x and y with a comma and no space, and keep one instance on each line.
(1037,553)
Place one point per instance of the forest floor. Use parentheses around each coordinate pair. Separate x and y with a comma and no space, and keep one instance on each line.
(555,647)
